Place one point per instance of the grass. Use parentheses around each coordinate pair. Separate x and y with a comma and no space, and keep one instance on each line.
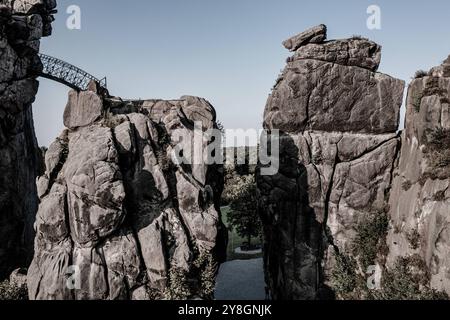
(235,241)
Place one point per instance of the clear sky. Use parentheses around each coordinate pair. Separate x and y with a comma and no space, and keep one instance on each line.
(228,51)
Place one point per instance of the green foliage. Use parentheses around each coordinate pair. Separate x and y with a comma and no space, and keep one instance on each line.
(371,232)
(243,215)
(10,291)
(437,152)
(406,185)
(417,101)
(343,277)
(236,241)
(408,280)
(439,196)
(178,288)
(420,74)
(414,239)
(233,184)
(208,270)
(432,87)
(439,138)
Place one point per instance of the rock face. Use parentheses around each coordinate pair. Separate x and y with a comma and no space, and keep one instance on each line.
(338,149)
(420,197)
(332,87)
(22,24)
(120,212)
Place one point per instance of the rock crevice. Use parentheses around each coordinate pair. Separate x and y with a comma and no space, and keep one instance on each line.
(22,24)
(338,118)
(116,206)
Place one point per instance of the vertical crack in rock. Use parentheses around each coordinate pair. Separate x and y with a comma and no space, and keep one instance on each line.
(140,225)
(338,119)
(22,24)
(419,198)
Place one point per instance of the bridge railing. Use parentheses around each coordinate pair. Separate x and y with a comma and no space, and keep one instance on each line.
(67,74)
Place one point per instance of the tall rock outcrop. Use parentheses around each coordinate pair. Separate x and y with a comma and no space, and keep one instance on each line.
(420,197)
(338,119)
(22,24)
(120,217)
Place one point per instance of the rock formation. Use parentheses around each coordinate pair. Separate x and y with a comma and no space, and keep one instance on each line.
(22,24)
(338,148)
(420,197)
(120,211)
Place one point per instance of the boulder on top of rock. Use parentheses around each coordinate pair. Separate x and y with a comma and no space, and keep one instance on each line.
(82,109)
(315,34)
(338,147)
(355,51)
(333,86)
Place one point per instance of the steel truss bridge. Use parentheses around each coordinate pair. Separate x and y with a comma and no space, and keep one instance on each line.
(67,74)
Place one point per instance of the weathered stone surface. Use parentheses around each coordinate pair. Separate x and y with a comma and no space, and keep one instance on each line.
(421,189)
(314,204)
(356,52)
(22,24)
(338,149)
(82,109)
(316,34)
(136,223)
(351,194)
(317,95)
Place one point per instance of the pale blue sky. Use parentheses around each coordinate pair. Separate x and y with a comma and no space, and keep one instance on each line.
(228,51)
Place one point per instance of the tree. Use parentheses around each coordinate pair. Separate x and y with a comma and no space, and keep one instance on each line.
(243,215)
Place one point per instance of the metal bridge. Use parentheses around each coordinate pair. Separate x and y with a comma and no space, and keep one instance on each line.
(67,74)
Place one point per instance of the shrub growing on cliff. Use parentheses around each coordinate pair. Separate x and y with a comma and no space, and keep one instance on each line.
(414,239)
(433,87)
(178,288)
(408,280)
(406,185)
(417,101)
(371,234)
(10,291)
(343,277)
(420,74)
(437,152)
(208,269)
(439,196)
